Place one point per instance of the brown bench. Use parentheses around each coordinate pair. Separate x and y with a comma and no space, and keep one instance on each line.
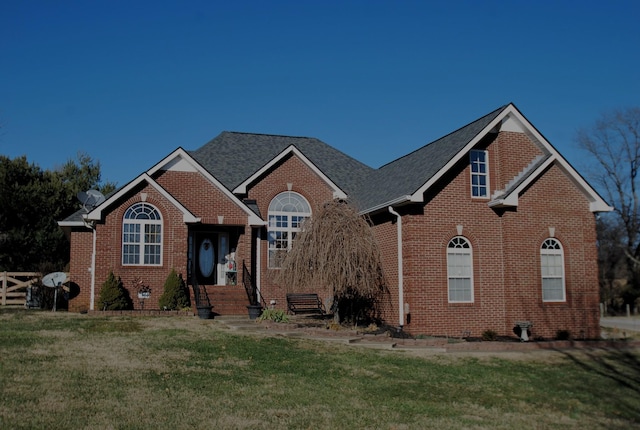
(308,303)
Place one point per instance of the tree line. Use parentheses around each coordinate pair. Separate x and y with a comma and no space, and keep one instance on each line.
(612,143)
(32,201)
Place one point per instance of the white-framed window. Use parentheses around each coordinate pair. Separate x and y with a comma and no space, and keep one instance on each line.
(552,270)
(460,270)
(142,236)
(479,161)
(287,212)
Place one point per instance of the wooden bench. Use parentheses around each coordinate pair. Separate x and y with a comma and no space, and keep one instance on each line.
(308,303)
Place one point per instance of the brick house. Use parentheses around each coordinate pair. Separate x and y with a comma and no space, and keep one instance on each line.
(484,227)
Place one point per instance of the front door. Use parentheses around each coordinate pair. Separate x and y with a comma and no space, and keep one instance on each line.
(208,253)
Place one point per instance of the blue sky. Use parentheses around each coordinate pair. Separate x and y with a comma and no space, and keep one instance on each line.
(130,81)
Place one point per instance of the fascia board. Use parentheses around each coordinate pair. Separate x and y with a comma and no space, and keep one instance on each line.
(418,195)
(242,188)
(187,216)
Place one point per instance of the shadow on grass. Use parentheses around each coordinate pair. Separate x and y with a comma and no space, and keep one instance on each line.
(619,365)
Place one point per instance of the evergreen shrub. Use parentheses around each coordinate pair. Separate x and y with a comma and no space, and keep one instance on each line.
(175,295)
(113,295)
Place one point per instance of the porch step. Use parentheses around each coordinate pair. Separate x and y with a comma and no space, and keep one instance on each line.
(228,299)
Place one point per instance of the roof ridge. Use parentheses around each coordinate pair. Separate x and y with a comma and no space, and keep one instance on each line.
(268,134)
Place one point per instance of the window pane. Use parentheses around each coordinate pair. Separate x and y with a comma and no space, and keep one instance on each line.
(141,237)
(460,270)
(552,289)
(552,271)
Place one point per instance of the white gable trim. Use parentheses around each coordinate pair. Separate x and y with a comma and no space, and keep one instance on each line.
(96,214)
(178,160)
(513,120)
(337,192)
(181,160)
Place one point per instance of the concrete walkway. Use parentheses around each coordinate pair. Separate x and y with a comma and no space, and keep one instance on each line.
(299,328)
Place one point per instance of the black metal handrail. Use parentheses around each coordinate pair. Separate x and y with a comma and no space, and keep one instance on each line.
(254,296)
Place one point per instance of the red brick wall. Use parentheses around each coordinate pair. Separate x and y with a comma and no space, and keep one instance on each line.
(504,166)
(198,194)
(506,253)
(207,202)
(80,268)
(109,247)
(304,182)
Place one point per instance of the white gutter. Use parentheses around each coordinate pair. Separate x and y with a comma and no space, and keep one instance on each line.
(400,269)
(401,199)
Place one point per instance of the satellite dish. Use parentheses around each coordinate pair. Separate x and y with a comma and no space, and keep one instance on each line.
(90,199)
(55,279)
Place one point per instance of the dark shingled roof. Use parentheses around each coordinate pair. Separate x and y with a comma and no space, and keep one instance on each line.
(233,157)
(407,174)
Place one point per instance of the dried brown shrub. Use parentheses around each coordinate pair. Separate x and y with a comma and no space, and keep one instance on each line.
(336,250)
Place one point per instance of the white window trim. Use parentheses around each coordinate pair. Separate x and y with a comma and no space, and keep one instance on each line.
(559,252)
(485,174)
(470,277)
(289,229)
(142,223)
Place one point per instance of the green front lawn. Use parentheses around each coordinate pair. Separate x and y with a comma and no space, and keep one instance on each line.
(60,370)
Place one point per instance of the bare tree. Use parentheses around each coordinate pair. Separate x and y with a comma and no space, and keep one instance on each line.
(614,142)
(337,250)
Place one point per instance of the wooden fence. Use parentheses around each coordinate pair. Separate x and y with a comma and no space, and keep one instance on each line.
(13,289)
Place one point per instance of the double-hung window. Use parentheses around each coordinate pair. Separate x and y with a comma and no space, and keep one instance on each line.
(287,212)
(552,269)
(142,236)
(479,173)
(460,270)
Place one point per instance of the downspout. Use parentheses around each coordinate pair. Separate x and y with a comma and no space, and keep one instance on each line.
(258,278)
(92,269)
(400,269)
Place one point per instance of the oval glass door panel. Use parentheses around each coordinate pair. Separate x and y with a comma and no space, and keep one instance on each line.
(206,258)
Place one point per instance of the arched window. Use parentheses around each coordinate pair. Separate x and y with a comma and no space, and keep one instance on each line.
(460,270)
(287,212)
(552,269)
(142,236)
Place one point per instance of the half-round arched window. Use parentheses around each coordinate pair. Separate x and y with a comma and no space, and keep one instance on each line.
(142,236)
(287,212)
(552,270)
(460,270)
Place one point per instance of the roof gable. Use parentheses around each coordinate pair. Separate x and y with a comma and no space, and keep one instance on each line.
(96,213)
(406,179)
(242,188)
(178,160)
(237,158)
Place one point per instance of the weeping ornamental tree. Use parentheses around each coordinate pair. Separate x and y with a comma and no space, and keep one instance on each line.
(336,249)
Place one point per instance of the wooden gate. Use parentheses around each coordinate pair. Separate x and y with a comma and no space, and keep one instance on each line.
(13,290)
